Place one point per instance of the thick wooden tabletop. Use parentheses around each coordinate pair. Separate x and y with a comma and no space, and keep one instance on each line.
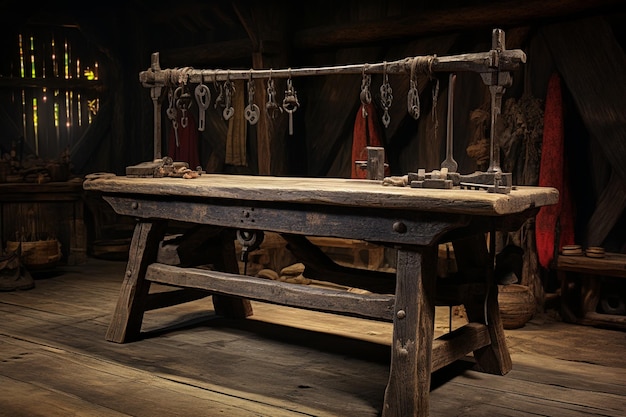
(330,191)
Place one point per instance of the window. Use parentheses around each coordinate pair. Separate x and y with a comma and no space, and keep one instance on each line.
(50,91)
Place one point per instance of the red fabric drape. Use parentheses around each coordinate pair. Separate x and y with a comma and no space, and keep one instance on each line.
(367,132)
(553,173)
(187,150)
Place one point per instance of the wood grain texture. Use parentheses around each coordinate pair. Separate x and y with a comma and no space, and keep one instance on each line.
(331,191)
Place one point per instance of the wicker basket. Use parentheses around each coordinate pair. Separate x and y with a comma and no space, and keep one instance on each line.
(517,305)
(39,254)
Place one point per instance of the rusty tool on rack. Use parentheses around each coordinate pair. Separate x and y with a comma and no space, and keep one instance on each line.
(496,80)
(449,163)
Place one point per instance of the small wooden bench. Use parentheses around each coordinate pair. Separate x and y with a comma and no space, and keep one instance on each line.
(582,289)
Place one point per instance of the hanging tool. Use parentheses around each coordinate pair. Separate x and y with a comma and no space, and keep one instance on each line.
(203,98)
(250,240)
(251,112)
(496,80)
(449,163)
(290,103)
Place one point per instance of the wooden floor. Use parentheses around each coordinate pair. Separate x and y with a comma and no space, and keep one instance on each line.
(281,362)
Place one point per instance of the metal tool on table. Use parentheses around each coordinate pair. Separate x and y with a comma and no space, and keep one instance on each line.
(375,164)
(434,179)
(493,180)
(163,167)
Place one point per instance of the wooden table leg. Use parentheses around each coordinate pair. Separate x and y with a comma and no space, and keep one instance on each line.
(131,302)
(472,255)
(408,388)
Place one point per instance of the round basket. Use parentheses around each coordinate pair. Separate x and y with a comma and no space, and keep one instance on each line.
(517,305)
(39,254)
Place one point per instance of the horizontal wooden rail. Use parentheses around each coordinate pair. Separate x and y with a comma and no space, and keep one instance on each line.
(376,306)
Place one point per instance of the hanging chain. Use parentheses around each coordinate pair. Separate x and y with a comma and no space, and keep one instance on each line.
(229,90)
(366,95)
(172,113)
(386,96)
(434,110)
(272,106)
(413,96)
(183,97)
(219,100)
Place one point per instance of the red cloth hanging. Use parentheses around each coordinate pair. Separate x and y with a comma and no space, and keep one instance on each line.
(553,173)
(367,132)
(187,149)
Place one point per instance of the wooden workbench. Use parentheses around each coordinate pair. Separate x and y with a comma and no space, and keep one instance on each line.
(414,221)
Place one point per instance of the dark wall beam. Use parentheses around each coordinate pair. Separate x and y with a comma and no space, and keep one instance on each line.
(494,14)
(207,53)
(501,14)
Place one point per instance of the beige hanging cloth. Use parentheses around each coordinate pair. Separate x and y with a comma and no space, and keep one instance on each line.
(237,129)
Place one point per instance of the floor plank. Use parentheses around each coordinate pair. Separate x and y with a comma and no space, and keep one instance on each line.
(282,361)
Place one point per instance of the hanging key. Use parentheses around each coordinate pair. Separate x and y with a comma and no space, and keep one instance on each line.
(290,103)
(271,106)
(229,90)
(251,112)
(203,98)
(172,114)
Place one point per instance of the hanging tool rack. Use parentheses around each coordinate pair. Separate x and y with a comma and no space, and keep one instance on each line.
(494,67)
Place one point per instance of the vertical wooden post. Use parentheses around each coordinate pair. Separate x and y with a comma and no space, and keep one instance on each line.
(266,28)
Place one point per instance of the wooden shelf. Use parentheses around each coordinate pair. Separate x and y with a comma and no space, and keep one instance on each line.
(587,295)
(613,264)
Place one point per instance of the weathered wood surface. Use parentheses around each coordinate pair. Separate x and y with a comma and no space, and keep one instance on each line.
(414,229)
(54,361)
(331,191)
(478,62)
